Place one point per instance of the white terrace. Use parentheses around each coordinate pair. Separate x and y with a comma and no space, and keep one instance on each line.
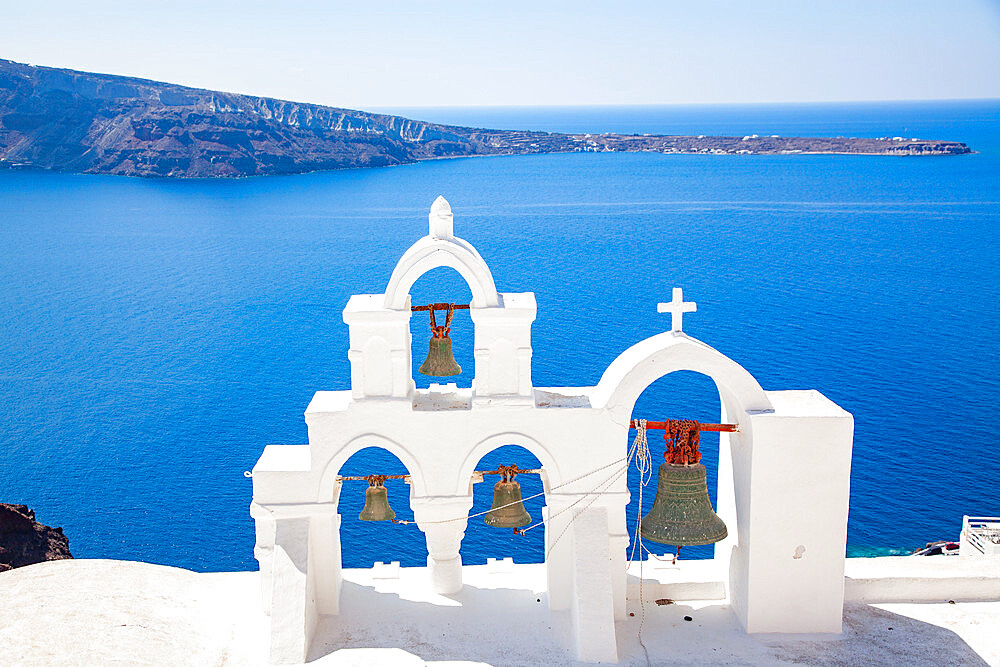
(783,476)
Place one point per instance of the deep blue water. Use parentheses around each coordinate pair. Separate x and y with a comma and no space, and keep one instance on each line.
(156,334)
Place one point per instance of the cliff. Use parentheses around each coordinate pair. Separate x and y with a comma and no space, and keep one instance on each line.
(65,120)
(24,541)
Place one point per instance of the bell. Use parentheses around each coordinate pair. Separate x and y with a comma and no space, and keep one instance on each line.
(507,492)
(376,503)
(440,361)
(682,513)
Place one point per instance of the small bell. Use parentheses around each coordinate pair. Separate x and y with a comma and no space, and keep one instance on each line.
(508,510)
(377,501)
(440,360)
(682,513)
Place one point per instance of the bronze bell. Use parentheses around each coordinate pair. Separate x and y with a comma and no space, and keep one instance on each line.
(507,493)
(377,501)
(682,513)
(440,361)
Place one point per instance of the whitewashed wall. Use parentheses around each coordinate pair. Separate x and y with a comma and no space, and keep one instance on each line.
(784,477)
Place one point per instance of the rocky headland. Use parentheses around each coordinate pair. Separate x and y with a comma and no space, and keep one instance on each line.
(66,120)
(24,541)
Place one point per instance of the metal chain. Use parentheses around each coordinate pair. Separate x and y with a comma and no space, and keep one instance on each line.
(681,437)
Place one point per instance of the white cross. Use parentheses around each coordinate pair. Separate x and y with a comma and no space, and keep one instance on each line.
(677,307)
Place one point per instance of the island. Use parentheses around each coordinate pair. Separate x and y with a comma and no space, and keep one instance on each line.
(72,121)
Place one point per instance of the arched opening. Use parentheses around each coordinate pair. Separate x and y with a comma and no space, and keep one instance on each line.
(677,395)
(442,285)
(362,543)
(482,541)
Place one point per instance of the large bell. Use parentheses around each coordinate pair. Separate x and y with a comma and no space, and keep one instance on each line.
(440,361)
(682,513)
(514,515)
(376,504)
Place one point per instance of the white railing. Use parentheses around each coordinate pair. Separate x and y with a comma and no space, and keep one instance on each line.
(982,535)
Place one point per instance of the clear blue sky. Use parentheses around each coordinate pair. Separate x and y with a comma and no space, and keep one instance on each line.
(364,54)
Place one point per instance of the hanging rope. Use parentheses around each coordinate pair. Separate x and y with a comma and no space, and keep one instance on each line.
(638,444)
(593,496)
(644,464)
(606,484)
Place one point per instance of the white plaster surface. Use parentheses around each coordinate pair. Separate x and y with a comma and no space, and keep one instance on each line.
(683,580)
(98,612)
(921,579)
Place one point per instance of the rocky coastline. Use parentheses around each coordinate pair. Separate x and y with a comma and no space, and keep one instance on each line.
(71,121)
(24,541)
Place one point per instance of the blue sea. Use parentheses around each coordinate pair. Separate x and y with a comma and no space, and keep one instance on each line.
(157,334)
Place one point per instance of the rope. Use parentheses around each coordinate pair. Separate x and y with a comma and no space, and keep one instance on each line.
(542,493)
(598,489)
(644,464)
(672,560)
(594,495)
(637,444)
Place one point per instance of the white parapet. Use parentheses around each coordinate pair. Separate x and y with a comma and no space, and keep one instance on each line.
(921,579)
(980,536)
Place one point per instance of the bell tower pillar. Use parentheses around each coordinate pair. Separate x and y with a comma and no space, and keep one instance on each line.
(380,354)
(503,349)
(443,521)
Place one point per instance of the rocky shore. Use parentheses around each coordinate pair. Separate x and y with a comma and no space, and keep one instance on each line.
(24,541)
(66,120)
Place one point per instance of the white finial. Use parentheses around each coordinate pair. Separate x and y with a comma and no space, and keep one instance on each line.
(442,223)
(677,307)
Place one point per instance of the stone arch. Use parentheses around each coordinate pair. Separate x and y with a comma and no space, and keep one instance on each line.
(429,253)
(551,478)
(645,362)
(328,480)
(689,395)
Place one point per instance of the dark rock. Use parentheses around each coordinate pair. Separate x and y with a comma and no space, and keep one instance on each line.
(24,541)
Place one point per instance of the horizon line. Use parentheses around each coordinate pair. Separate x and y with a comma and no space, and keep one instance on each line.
(365,107)
(682,104)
